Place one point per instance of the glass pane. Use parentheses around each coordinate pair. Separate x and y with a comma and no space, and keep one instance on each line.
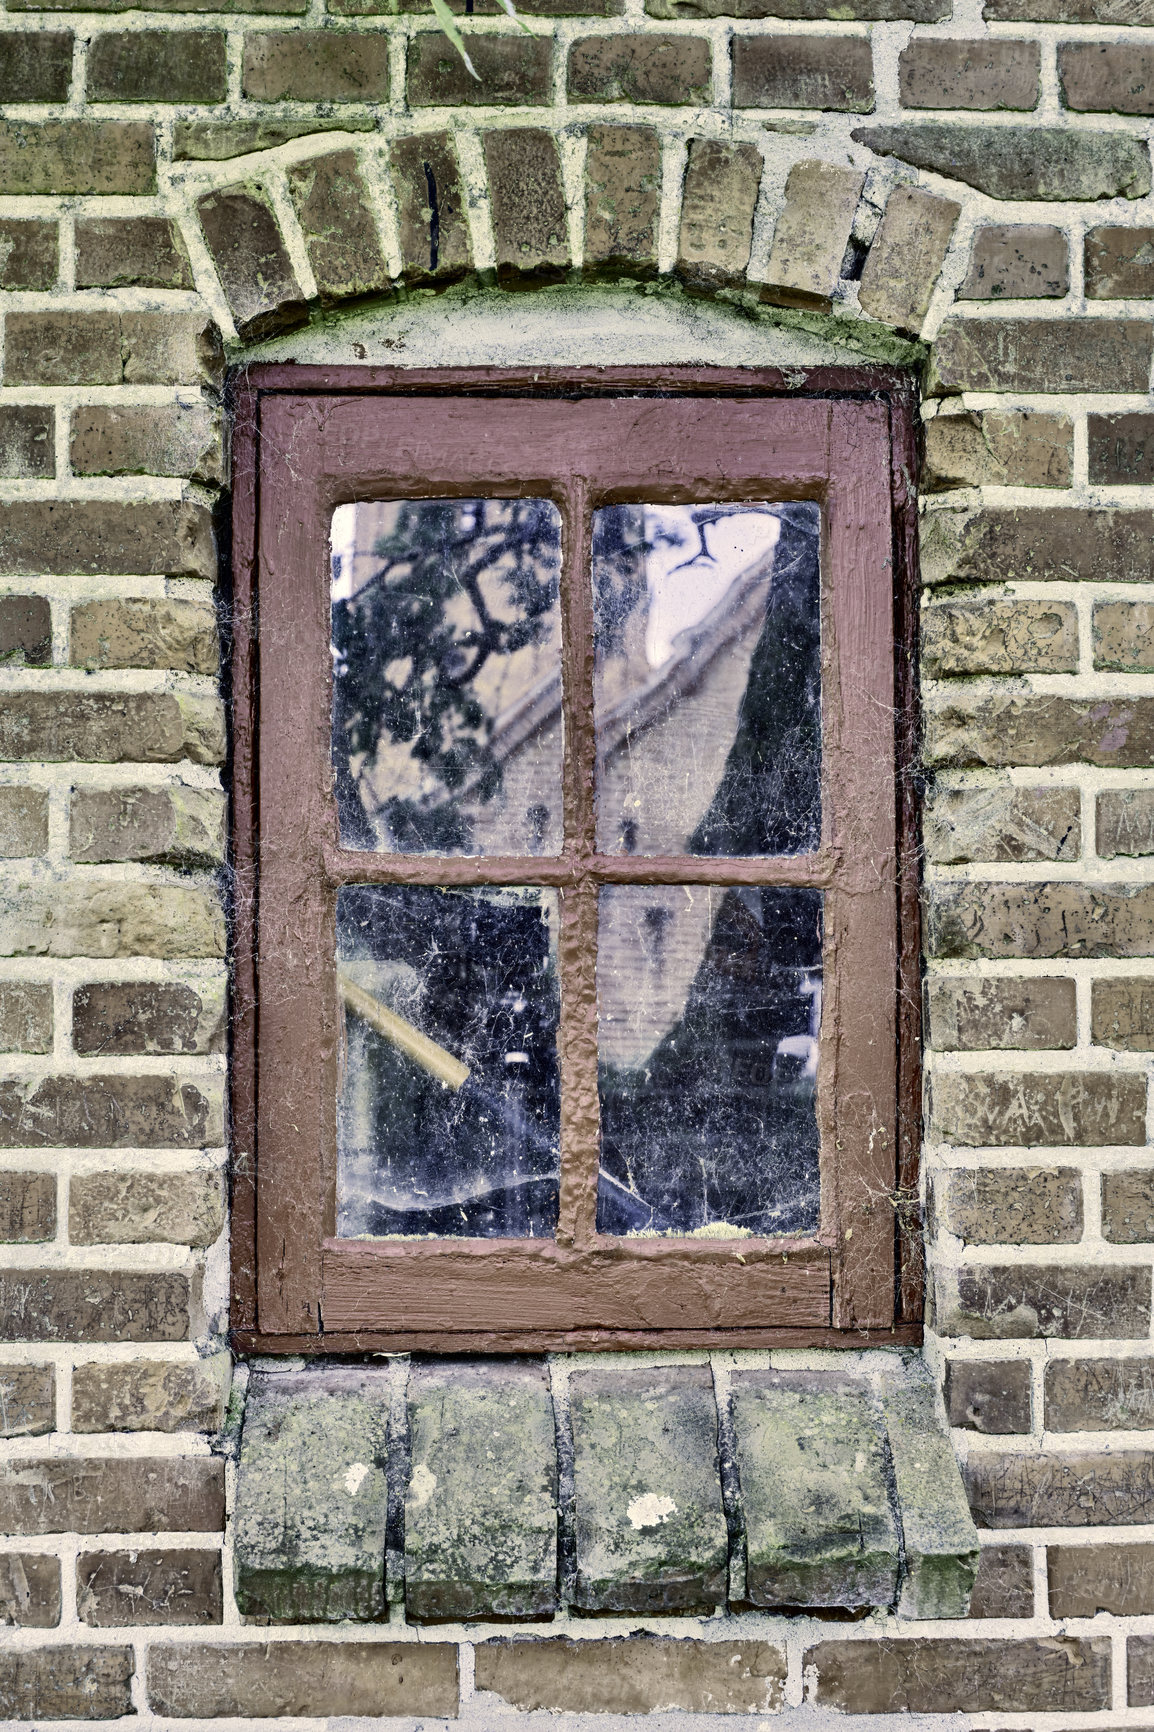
(449,1101)
(446,641)
(709,1004)
(708,678)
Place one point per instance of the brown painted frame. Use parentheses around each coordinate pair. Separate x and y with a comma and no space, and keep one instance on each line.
(309,438)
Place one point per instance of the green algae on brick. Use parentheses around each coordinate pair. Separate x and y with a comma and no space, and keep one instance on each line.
(940,1541)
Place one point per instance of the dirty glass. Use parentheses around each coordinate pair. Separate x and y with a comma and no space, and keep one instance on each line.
(448,1106)
(446,645)
(709,1005)
(707,678)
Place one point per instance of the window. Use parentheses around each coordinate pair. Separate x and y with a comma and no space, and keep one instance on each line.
(576,911)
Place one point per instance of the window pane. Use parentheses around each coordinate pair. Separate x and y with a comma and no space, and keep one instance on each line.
(708,679)
(709,1004)
(446,641)
(448,1111)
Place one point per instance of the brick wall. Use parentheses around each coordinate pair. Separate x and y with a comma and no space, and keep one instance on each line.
(177,184)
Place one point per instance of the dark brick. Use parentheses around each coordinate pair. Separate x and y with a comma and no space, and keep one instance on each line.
(111,1112)
(70,727)
(1122,449)
(985,634)
(201,1680)
(316,66)
(966,1014)
(427,183)
(491,8)
(146,1017)
(1122,1013)
(1072,1109)
(1071,11)
(218,140)
(1106,76)
(830,72)
(510,70)
(1042,355)
(54,348)
(150,1395)
(1086,1580)
(336,218)
(110,1495)
(1128,1207)
(29,1590)
(1011,1205)
(989,1395)
(35,66)
(158,66)
(1140,1671)
(1032,731)
(1009,544)
(27,1405)
(1099,1394)
(250,258)
(1009,162)
(989,73)
(119,1208)
(921,11)
(722,182)
(27,1207)
(171,349)
(25,1015)
(1069,1490)
(1004,1587)
(29,253)
(25,630)
(66,1683)
(226,6)
(114,251)
(1030,1301)
(185,439)
(639,1674)
(77,156)
(1017,262)
(1039,920)
(622,199)
(23,823)
(640,69)
(27,453)
(528,201)
(936,1677)
(1124,634)
(175,825)
(115,1589)
(1125,825)
(1119,263)
(94,1305)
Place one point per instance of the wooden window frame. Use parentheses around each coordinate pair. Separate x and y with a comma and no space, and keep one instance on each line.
(310,438)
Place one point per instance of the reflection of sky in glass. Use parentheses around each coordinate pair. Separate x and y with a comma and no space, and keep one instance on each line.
(690,568)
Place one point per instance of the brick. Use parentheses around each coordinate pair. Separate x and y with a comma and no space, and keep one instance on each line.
(66,1683)
(111,1112)
(1124,635)
(62,348)
(1039,920)
(1071,11)
(25,630)
(23,823)
(1086,1580)
(1041,355)
(1140,1671)
(106,537)
(157,66)
(27,1207)
(1122,1013)
(77,156)
(622,200)
(258,1680)
(481,1509)
(1121,449)
(174,825)
(828,72)
(35,66)
(722,182)
(27,1405)
(431,223)
(1008,544)
(1032,731)
(1119,263)
(989,73)
(27,451)
(811,234)
(226,6)
(25,1017)
(998,448)
(1017,262)
(316,66)
(966,1014)
(510,70)
(118,1208)
(29,253)
(145,632)
(1107,76)
(640,1674)
(148,1017)
(1011,1205)
(1038,162)
(122,1588)
(95,1305)
(906,257)
(650,1531)
(1085,1489)
(1004,1587)
(935,1677)
(29,1590)
(251,261)
(340,231)
(112,252)
(1031,1301)
(940,1544)
(217,141)
(185,439)
(171,349)
(999,637)
(921,11)
(988,1395)
(1125,822)
(109,728)
(1128,1207)
(1029,1109)
(112,1495)
(530,230)
(1002,822)
(151,1395)
(112,919)
(1099,1394)
(671,69)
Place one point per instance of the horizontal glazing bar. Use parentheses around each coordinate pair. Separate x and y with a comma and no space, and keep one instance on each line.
(817,871)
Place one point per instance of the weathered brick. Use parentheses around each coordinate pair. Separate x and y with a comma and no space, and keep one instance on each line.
(637,1675)
(1004,1587)
(112,1495)
(1124,635)
(115,251)
(1122,1013)
(112,919)
(227,6)
(622,198)
(966,1014)
(27,1401)
(27,1207)
(25,1016)
(185,439)
(1010,1205)
(1121,449)
(811,234)
(998,448)
(29,253)
(106,537)
(177,825)
(55,348)
(251,261)
(1032,731)
(145,632)
(989,73)
(340,231)
(157,66)
(118,1208)
(25,630)
(1125,822)
(115,1589)
(1039,162)
(204,1679)
(1106,76)
(510,69)
(907,254)
(1086,1580)
(110,728)
(94,1305)
(110,1112)
(640,69)
(829,72)
(922,11)
(1028,1301)
(1017,262)
(148,1017)
(1006,544)
(23,823)
(66,1683)
(1128,1207)
(217,141)
(935,1677)
(316,66)
(941,1546)
(988,1395)
(1053,919)
(35,66)
(431,222)
(722,182)
(171,349)
(984,636)
(1099,1394)
(1070,1109)
(530,230)
(77,156)
(29,1590)
(1041,355)
(150,1395)
(1080,1490)
(1119,263)
(27,451)
(1140,1671)
(1071,11)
